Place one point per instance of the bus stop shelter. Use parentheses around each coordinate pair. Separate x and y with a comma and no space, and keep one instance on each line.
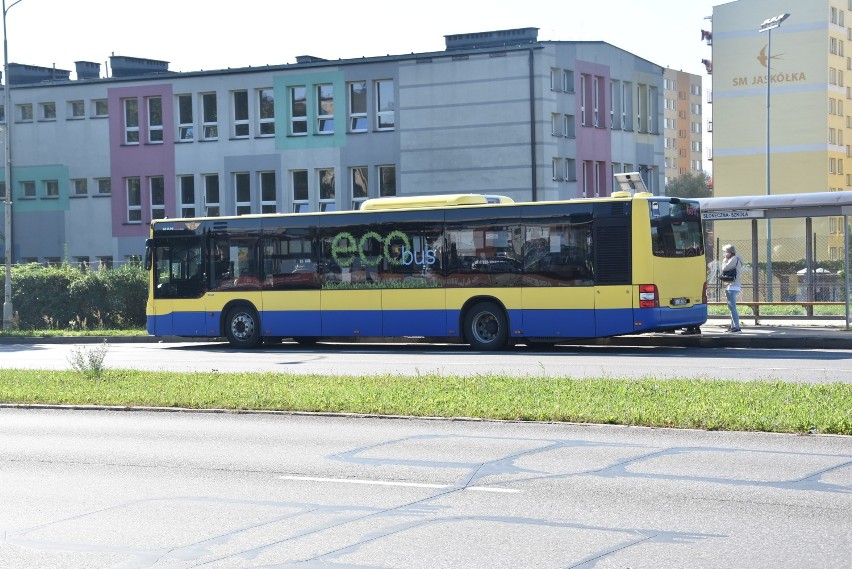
(781,206)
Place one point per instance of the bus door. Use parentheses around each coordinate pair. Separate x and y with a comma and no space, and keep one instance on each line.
(350,300)
(292,277)
(178,286)
(413,295)
(233,269)
(558,295)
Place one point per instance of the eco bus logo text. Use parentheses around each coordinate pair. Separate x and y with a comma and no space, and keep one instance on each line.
(395,248)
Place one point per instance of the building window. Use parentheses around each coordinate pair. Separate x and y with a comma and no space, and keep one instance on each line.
(158,197)
(387,181)
(325,109)
(832,165)
(104,186)
(568,81)
(570,170)
(25,112)
(187,196)
(325,179)
(105,262)
(301,195)
(82,263)
(266,104)
(209,117)
(358,106)
(385,105)
(134,200)
(76,109)
(241,114)
(131,121)
(52,261)
(51,188)
(359,188)
(155,119)
(557,169)
(597,93)
(28,189)
(186,130)
(298,111)
(2,190)
(583,102)
(211,195)
(100,108)
(268,193)
(555,84)
(81,187)
(47,111)
(242,191)
(554,124)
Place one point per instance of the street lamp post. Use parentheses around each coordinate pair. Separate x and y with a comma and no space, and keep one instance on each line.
(7,131)
(767,26)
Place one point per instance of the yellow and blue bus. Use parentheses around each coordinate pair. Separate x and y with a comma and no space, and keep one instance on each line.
(483,270)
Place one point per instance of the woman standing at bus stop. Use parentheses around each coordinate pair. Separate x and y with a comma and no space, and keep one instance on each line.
(731,273)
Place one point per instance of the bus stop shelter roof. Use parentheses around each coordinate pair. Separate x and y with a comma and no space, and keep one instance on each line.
(816,204)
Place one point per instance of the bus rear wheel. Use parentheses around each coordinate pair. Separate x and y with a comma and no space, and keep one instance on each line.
(486,327)
(242,327)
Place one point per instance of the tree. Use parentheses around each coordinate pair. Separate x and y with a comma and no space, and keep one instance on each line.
(695,185)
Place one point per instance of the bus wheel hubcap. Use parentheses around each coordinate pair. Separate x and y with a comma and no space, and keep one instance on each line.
(485,327)
(242,326)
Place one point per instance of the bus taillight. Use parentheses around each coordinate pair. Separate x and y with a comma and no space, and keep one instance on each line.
(704,294)
(648,297)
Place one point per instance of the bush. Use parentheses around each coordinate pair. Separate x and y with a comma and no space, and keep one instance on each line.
(64,297)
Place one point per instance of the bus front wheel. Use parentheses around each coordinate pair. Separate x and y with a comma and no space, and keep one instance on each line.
(242,327)
(486,327)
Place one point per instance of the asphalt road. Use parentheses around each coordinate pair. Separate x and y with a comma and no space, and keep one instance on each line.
(175,490)
(800,365)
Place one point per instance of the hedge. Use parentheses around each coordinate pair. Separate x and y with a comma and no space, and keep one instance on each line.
(64,297)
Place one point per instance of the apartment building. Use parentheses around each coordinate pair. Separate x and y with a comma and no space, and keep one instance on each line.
(797,117)
(96,158)
(682,124)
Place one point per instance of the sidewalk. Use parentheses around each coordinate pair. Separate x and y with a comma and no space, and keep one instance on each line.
(770,334)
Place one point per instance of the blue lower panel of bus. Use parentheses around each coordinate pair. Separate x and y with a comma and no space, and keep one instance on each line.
(648,319)
(559,323)
(578,323)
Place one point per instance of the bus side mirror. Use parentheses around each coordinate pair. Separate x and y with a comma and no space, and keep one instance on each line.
(149,254)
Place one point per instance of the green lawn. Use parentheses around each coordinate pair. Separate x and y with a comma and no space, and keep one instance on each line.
(700,404)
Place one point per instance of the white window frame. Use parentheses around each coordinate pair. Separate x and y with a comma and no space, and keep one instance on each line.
(267,180)
(131,120)
(47,111)
(359,178)
(28,189)
(385,110)
(298,97)
(325,108)
(242,193)
(240,113)
(186,185)
(100,108)
(155,122)
(186,121)
(104,184)
(157,185)
(133,192)
(209,116)
(51,189)
(301,203)
(358,121)
(77,109)
(385,171)
(212,207)
(327,189)
(81,186)
(266,112)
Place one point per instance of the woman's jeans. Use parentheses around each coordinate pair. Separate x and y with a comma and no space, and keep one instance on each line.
(732,306)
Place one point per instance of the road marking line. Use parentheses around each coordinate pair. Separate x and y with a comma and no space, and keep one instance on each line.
(392,483)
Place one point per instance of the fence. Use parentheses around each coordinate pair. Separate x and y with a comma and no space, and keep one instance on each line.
(807,271)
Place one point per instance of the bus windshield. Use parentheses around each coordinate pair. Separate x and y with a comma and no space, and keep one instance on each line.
(676,229)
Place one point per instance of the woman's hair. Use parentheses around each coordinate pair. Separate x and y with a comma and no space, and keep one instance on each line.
(730,248)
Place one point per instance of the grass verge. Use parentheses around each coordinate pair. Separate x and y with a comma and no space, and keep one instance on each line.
(700,404)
